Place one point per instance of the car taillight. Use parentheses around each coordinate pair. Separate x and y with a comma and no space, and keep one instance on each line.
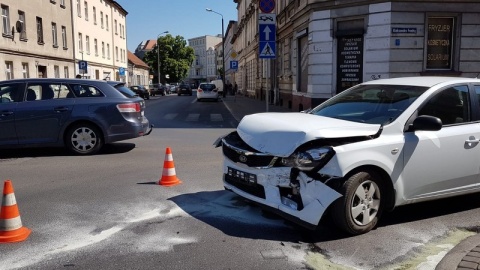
(129,107)
(199,90)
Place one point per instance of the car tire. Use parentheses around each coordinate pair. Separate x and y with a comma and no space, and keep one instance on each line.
(354,214)
(84,139)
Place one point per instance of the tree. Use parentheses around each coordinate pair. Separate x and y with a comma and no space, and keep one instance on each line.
(175,58)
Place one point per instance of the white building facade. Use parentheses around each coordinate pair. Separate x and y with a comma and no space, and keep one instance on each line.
(204,66)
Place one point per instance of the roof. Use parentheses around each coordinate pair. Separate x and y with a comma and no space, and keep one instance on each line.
(151,43)
(136,61)
(426,81)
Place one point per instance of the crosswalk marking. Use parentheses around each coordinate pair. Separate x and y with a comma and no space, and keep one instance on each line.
(192,117)
(170,116)
(216,117)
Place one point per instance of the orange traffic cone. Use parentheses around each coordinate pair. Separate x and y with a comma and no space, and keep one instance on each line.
(169,177)
(11,229)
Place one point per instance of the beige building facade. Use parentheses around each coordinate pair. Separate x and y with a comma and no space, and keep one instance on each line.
(324,47)
(204,66)
(36,39)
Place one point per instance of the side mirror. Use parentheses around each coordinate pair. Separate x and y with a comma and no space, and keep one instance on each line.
(427,122)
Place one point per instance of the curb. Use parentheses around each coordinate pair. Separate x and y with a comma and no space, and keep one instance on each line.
(456,255)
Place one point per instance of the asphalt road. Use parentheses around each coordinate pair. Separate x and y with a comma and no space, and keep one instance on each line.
(108,212)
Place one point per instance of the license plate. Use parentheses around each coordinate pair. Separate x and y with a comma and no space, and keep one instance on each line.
(242,177)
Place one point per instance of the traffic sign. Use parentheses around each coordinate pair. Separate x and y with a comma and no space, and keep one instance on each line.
(234,64)
(83,65)
(267,32)
(267,6)
(121,71)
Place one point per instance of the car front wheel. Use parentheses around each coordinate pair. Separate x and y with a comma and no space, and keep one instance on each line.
(360,208)
(84,139)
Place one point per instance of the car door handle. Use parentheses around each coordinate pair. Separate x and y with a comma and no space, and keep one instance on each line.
(472,140)
(60,109)
(6,113)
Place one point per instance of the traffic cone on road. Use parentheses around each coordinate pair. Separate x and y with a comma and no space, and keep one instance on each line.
(11,229)
(169,177)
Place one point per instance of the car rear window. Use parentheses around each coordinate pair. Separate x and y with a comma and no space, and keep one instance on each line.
(125,91)
(207,86)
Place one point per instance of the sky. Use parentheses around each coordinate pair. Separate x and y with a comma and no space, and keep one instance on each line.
(146,19)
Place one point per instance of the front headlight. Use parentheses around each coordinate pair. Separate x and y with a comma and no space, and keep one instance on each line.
(309,159)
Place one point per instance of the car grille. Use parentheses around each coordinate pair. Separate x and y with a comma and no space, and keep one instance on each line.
(235,149)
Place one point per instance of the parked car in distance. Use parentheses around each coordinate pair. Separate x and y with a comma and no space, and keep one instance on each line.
(173,89)
(184,88)
(81,115)
(156,89)
(207,91)
(371,148)
(141,91)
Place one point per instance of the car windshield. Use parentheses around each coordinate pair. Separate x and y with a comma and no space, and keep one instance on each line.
(125,91)
(207,86)
(373,104)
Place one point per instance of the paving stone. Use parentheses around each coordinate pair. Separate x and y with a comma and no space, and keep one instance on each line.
(468,265)
(476,249)
(471,259)
(474,254)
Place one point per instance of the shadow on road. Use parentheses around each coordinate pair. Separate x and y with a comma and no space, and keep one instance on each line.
(108,149)
(240,218)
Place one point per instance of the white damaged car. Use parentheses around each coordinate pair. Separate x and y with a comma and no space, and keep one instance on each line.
(377,145)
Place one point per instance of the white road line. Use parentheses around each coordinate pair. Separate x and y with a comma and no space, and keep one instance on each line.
(170,116)
(216,117)
(192,117)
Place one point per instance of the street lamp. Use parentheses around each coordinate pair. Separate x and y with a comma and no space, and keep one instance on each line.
(158,58)
(223,52)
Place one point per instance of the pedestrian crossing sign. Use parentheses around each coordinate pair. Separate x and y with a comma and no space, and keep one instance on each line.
(267,49)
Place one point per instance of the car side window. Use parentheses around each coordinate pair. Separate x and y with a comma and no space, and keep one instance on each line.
(81,90)
(60,91)
(11,92)
(477,92)
(451,105)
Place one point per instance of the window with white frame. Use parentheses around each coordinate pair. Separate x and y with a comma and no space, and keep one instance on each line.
(120,29)
(25,70)
(116,53)
(79,9)
(21,19)
(87,44)
(101,19)
(6,21)
(116,29)
(56,71)
(80,42)
(103,49)
(108,51)
(64,37)
(62,3)
(95,46)
(94,15)
(86,10)
(106,22)
(9,70)
(54,35)
(39,30)
(65,72)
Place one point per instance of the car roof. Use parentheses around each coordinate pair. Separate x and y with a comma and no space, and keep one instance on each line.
(425,81)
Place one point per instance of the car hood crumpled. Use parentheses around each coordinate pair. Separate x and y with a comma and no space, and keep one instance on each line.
(279,134)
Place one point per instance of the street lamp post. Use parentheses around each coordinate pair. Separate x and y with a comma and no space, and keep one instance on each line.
(158,58)
(223,52)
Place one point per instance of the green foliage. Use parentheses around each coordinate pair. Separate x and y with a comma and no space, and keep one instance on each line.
(175,58)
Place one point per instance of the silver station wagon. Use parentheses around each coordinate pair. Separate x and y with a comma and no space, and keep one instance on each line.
(81,115)
(375,146)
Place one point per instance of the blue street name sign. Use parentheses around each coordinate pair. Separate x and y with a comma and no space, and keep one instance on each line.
(82,65)
(234,64)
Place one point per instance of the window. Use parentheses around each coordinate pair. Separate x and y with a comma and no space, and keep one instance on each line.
(64,37)
(25,70)
(39,30)
(94,15)
(65,72)
(120,30)
(62,3)
(101,19)
(87,44)
(108,51)
(440,43)
(79,9)
(86,10)
(106,22)
(21,19)
(11,92)
(80,42)
(56,71)
(46,91)
(54,35)
(116,29)
(6,21)
(95,46)
(116,53)
(103,49)
(451,105)
(9,70)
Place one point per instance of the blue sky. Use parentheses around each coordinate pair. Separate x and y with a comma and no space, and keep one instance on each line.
(188,18)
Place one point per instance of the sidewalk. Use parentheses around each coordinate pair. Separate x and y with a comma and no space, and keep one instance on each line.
(239,106)
(464,256)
